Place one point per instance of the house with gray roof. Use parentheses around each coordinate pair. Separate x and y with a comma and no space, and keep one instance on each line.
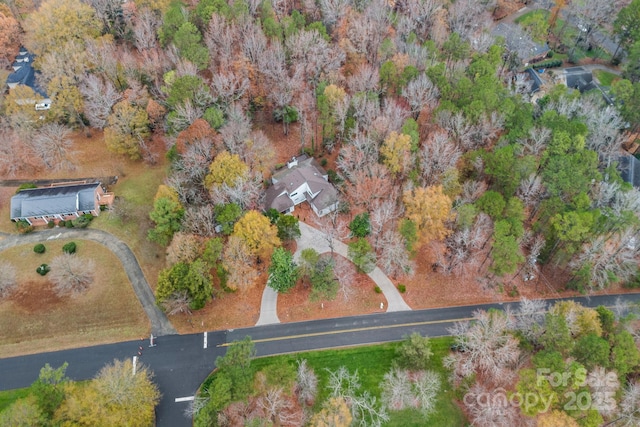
(629,167)
(39,206)
(518,41)
(25,75)
(303,180)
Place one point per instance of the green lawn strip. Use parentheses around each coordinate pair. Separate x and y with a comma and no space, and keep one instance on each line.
(9,396)
(605,77)
(372,362)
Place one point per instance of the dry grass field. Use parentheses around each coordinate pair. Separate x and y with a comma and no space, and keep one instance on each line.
(34,319)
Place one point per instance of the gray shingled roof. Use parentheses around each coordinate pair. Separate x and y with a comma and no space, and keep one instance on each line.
(64,199)
(518,41)
(629,168)
(290,179)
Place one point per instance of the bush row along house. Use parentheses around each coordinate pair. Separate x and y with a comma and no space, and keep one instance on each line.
(39,206)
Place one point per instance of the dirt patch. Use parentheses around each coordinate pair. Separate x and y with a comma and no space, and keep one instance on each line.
(229,311)
(34,296)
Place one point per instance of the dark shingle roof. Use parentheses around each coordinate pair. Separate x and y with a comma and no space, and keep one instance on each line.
(518,41)
(53,200)
(629,168)
(25,75)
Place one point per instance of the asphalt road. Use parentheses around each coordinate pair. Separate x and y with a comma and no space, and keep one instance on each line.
(181,363)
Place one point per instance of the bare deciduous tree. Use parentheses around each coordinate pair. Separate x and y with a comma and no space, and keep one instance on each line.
(246,192)
(607,258)
(239,263)
(15,155)
(52,145)
(306,383)
(396,390)
(369,186)
(278,408)
(490,348)
(394,258)
(7,278)
(186,113)
(229,87)
(530,316)
(629,414)
(359,156)
(99,97)
(332,228)
(145,29)
(458,128)
(420,93)
(364,408)
(437,155)
(468,18)
(178,302)
(531,190)
(345,272)
(383,213)
(184,247)
(365,79)
(236,130)
(487,409)
(200,220)
(333,11)
(71,275)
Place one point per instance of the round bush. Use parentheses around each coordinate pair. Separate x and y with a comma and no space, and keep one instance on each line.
(402,288)
(43,269)
(69,248)
(68,224)
(61,223)
(378,290)
(39,248)
(51,224)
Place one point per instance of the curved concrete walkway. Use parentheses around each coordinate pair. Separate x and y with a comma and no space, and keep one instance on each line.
(311,237)
(160,325)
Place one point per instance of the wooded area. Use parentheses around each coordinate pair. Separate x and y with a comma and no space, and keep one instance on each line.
(424,121)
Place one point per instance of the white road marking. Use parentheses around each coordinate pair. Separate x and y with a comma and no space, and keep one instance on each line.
(185,399)
(54,237)
(135,363)
(205,340)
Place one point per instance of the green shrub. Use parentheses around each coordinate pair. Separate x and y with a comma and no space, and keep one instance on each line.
(24,227)
(69,248)
(552,63)
(43,269)
(68,223)
(402,288)
(83,221)
(26,186)
(61,223)
(51,224)
(323,162)
(378,290)
(334,178)
(39,248)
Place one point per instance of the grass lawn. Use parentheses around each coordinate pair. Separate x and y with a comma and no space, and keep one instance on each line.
(10,396)
(372,362)
(34,319)
(605,77)
(130,219)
